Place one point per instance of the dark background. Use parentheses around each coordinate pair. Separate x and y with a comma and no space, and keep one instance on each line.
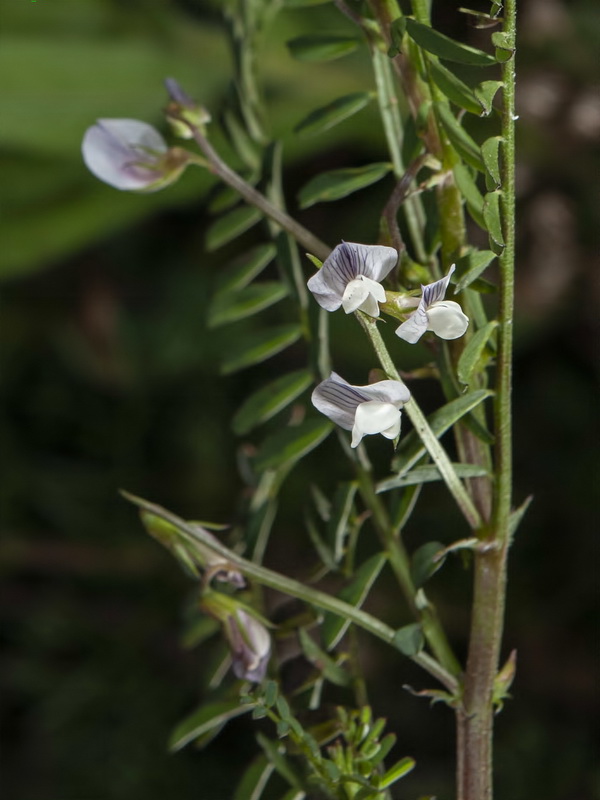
(109,380)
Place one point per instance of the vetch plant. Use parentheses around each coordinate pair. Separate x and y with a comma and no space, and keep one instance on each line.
(423,102)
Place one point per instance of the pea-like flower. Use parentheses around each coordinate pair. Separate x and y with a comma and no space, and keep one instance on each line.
(131,155)
(350,277)
(247,636)
(362,409)
(250,644)
(444,317)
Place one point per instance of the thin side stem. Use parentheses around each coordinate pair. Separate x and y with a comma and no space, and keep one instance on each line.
(476,719)
(266,577)
(427,436)
(255,198)
(423,610)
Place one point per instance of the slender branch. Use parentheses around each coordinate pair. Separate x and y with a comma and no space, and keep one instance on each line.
(252,196)
(424,611)
(274,580)
(428,437)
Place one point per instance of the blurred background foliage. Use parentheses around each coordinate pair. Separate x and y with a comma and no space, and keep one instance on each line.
(110,379)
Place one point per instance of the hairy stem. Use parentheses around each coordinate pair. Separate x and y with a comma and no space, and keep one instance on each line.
(476,718)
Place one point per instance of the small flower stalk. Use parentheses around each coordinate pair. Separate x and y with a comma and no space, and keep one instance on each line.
(351,278)
(193,555)
(247,636)
(183,114)
(131,155)
(444,317)
(364,410)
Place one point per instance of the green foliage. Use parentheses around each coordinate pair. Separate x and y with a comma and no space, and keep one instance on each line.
(204,720)
(446,48)
(340,183)
(269,400)
(230,226)
(409,639)
(230,307)
(292,443)
(321,47)
(326,117)
(259,346)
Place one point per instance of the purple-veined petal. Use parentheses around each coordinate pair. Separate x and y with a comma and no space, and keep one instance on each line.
(123,153)
(346,263)
(341,402)
(338,400)
(327,297)
(436,291)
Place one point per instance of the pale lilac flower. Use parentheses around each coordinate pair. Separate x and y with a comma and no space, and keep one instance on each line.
(444,317)
(362,409)
(250,644)
(130,155)
(350,277)
(247,636)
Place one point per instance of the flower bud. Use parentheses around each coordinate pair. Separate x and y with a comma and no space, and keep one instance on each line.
(248,638)
(183,114)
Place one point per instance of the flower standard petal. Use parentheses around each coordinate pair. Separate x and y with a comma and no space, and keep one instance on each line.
(125,153)
(338,400)
(362,409)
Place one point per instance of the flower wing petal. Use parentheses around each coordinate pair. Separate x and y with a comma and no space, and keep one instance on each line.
(355,294)
(110,151)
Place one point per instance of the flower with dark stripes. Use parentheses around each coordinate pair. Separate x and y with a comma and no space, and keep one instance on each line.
(362,409)
(444,317)
(351,277)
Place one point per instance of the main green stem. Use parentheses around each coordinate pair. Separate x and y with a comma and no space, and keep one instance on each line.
(475,719)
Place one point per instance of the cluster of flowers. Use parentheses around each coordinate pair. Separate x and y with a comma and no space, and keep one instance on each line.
(351,278)
(132,156)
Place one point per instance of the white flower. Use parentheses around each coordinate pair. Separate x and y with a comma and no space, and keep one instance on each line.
(362,409)
(444,317)
(130,155)
(350,277)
